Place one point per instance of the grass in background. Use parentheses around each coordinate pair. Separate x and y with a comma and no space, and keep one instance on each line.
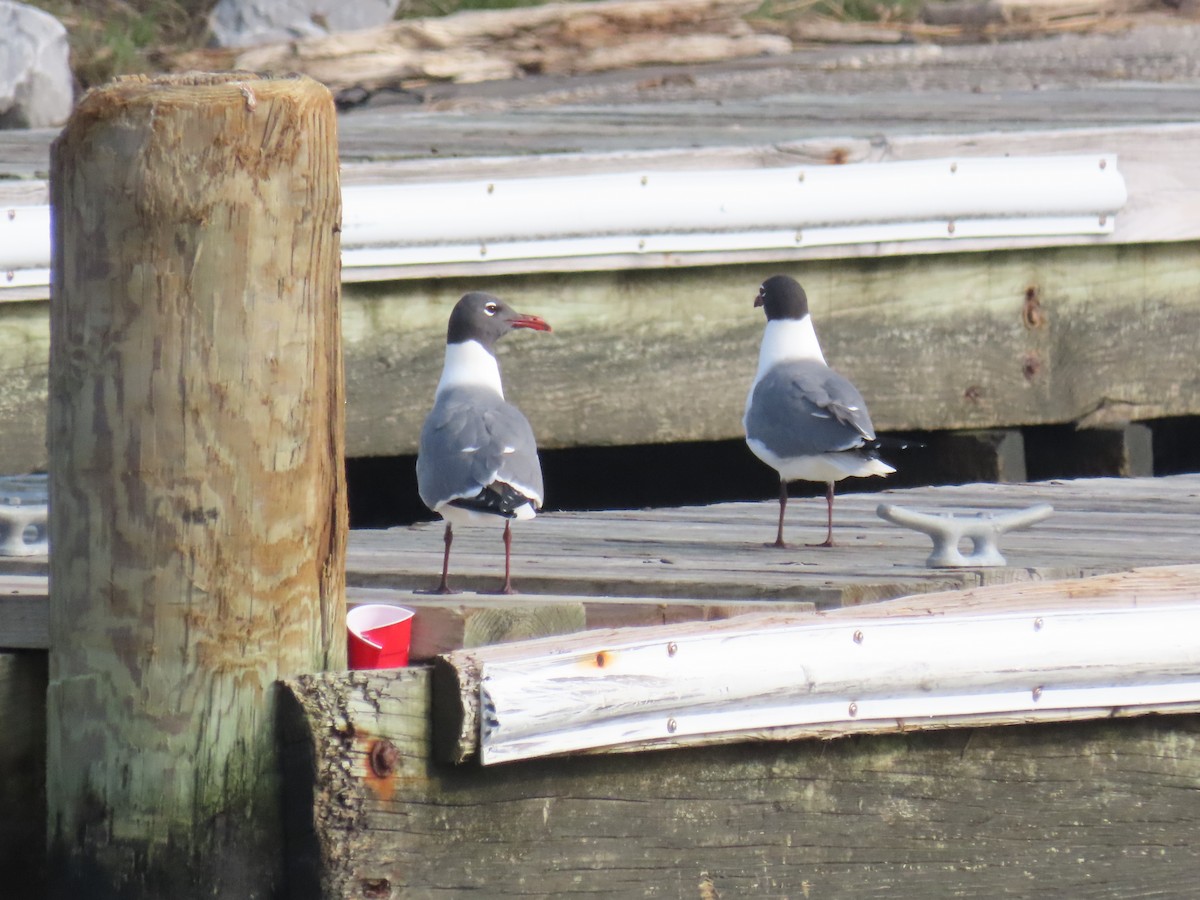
(125,37)
(841,10)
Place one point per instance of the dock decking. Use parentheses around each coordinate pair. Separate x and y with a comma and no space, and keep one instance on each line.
(580,570)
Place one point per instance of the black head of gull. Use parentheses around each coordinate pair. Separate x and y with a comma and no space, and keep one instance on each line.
(480,317)
(478,457)
(781,297)
(802,418)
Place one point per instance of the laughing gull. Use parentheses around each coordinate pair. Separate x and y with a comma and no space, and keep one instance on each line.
(478,457)
(803,419)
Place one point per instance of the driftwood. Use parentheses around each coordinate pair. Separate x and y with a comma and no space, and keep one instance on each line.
(558,38)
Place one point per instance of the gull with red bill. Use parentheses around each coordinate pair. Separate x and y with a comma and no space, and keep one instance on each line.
(478,458)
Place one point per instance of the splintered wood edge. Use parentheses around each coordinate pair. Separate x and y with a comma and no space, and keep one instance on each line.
(455,707)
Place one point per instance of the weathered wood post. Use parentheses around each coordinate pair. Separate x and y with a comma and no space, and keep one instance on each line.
(197,517)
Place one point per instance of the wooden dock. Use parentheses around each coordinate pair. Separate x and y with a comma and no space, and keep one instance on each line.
(999,332)
(974,334)
(579,570)
(922,809)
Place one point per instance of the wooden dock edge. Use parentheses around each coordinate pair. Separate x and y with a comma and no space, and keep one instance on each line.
(1103,807)
(589,692)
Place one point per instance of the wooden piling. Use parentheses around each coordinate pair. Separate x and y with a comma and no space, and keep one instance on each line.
(198,513)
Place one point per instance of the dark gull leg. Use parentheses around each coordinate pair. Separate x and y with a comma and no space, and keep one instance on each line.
(782,506)
(508,588)
(828,542)
(444,587)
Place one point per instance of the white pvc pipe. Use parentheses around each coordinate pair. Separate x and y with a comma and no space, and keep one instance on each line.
(784,676)
(389,227)
(731,200)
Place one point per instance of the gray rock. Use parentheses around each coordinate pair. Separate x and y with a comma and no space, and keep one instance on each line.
(243,23)
(37,89)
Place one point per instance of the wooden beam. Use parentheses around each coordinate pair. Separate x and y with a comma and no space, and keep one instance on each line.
(977,354)
(1121,451)
(662,687)
(199,513)
(977,811)
(984,455)
(23,773)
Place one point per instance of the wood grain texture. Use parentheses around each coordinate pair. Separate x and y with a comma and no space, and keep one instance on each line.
(972,360)
(654,356)
(717,552)
(198,513)
(624,684)
(551,39)
(662,566)
(1079,809)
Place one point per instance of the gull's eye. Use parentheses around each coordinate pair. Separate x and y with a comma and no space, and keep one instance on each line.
(491,309)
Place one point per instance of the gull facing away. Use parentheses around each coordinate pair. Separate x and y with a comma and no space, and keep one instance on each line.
(803,419)
(478,458)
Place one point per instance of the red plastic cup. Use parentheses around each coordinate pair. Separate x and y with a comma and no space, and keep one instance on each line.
(379,636)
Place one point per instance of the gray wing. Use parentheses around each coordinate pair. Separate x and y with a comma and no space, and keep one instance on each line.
(470,439)
(802,408)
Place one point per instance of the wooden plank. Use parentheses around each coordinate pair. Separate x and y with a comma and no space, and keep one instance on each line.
(1118,450)
(24,613)
(23,677)
(976,812)
(660,566)
(717,551)
(964,367)
(970,361)
(445,624)
(606,666)
(997,455)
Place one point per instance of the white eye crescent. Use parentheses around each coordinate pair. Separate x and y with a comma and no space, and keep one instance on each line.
(491,309)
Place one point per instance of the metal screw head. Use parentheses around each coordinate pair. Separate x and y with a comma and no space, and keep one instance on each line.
(950,227)
(672,648)
(671,726)
(645,179)
(1038,623)
(491,188)
(853,710)
(858,637)
(1037,692)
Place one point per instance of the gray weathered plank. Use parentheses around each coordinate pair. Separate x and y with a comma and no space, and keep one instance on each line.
(717,551)
(690,563)
(1077,809)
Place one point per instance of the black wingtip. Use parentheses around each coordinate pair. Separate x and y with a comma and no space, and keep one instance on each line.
(497,498)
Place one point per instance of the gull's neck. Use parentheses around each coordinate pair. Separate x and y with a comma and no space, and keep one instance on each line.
(470,364)
(787,339)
